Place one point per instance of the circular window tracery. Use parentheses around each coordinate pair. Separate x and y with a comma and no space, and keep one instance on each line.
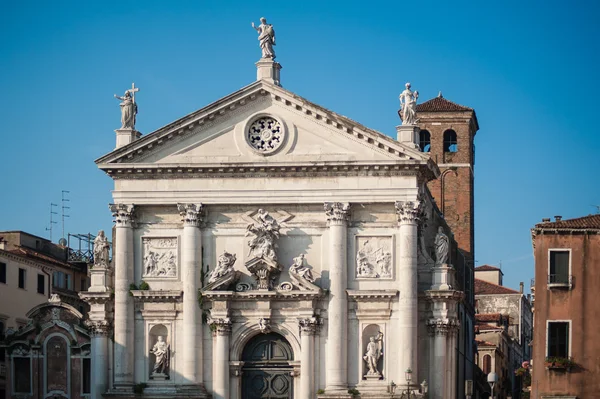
(265,134)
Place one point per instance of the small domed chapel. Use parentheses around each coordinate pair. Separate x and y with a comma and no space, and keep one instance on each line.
(267,247)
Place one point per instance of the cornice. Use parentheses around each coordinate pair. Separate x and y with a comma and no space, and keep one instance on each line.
(309,169)
(372,295)
(263,295)
(38,265)
(157,295)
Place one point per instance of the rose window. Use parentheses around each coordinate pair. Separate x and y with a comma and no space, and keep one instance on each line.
(265,134)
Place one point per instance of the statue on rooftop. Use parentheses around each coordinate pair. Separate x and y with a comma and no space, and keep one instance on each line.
(266,37)
(408,106)
(128,108)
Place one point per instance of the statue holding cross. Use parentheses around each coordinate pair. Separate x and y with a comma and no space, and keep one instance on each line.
(128,108)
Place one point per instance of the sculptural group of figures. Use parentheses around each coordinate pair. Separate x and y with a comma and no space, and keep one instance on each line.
(373,263)
(101,249)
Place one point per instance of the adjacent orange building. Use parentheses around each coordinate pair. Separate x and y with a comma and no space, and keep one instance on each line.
(566,344)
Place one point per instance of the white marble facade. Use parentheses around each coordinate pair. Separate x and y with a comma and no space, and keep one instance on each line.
(345,204)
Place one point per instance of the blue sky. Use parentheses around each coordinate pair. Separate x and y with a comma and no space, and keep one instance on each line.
(529,69)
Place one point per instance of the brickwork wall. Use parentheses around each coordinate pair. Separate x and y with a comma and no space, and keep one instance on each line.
(578,304)
(453,191)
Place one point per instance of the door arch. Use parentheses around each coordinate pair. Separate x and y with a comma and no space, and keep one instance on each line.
(267,368)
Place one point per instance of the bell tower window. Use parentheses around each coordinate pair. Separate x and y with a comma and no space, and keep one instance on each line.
(450,141)
(425,141)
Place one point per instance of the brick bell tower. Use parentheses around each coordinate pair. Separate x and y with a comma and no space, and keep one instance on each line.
(447,133)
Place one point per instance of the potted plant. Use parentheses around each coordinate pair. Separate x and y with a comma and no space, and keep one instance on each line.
(559,363)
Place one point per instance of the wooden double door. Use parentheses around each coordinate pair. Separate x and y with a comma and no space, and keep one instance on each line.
(267,368)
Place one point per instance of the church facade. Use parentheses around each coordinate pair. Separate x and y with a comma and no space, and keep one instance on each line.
(265,246)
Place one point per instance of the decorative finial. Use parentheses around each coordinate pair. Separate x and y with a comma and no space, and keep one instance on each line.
(266,38)
(440,94)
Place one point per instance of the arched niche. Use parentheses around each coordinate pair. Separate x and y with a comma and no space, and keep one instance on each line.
(159,349)
(374,331)
(57,366)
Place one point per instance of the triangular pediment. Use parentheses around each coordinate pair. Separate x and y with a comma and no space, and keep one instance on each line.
(219,135)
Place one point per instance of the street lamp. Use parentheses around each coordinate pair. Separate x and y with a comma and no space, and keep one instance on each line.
(392,388)
(492,378)
(408,377)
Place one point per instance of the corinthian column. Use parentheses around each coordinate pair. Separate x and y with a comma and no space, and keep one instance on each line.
(337,312)
(409,214)
(191,266)
(222,328)
(99,331)
(308,328)
(124,318)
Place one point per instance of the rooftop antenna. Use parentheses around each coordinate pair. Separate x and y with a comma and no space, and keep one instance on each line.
(64,200)
(597,208)
(51,219)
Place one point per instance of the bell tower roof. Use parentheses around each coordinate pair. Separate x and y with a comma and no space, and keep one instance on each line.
(440,104)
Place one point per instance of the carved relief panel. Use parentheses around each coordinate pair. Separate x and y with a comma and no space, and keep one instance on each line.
(374,257)
(160,257)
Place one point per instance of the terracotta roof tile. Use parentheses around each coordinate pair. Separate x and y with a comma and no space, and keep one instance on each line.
(36,256)
(485,288)
(440,104)
(585,222)
(488,317)
(486,268)
(487,327)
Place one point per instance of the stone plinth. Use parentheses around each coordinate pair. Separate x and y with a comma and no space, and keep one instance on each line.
(100,279)
(408,135)
(268,70)
(126,136)
(443,277)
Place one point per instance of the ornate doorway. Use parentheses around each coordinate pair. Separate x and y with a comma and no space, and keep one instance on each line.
(266,371)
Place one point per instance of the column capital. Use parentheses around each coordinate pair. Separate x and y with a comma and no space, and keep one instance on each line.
(409,212)
(98,328)
(309,325)
(443,327)
(191,214)
(123,214)
(221,326)
(337,212)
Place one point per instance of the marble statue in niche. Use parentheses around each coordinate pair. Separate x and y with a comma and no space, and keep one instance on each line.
(224,266)
(373,355)
(101,247)
(373,257)
(161,352)
(160,257)
(442,247)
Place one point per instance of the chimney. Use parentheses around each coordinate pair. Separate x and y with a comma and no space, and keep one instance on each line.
(557,218)
(521,287)
(545,220)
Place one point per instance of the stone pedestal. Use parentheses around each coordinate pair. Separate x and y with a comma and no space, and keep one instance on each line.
(191,264)
(268,70)
(124,315)
(126,136)
(443,277)
(100,279)
(337,312)
(408,135)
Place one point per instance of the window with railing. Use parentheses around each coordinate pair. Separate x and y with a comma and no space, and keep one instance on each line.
(559,271)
